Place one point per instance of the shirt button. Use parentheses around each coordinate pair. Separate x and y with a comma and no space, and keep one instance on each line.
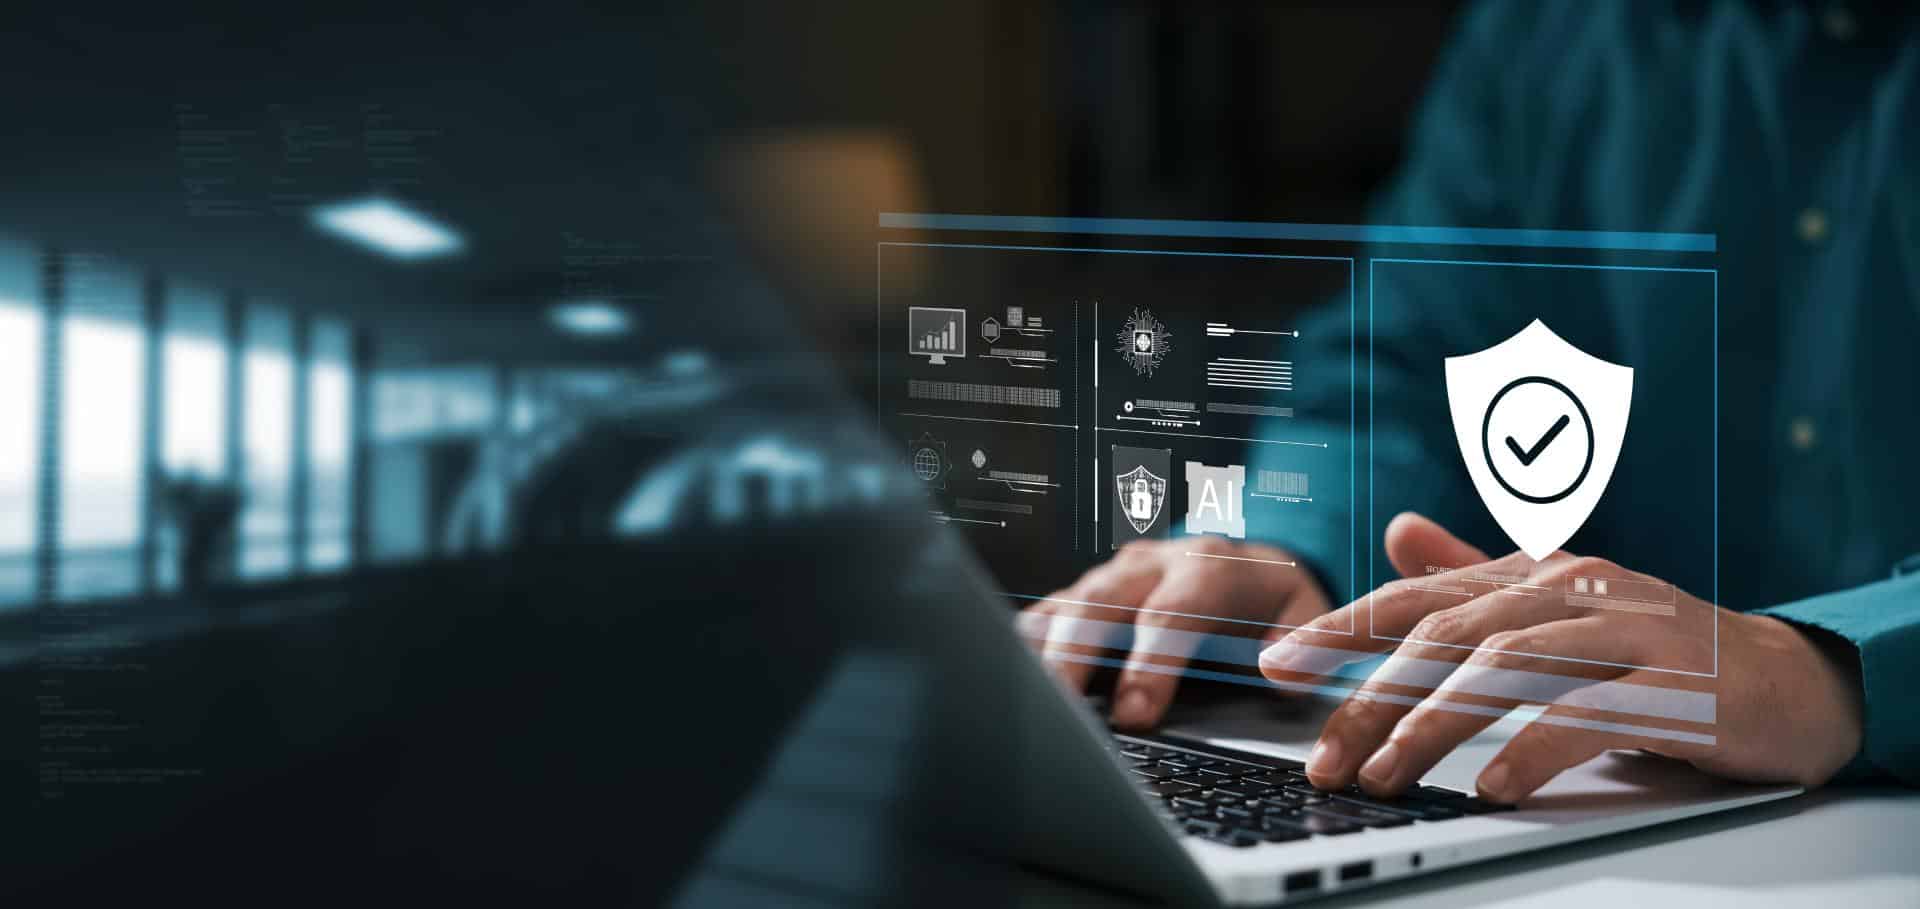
(1839,23)
(1800,434)
(1812,225)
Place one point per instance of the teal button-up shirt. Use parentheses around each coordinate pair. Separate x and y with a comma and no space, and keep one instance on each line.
(1789,133)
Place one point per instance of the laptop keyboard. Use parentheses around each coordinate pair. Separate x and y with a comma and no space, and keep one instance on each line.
(1243,799)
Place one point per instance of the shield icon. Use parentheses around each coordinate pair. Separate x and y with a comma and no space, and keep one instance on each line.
(1540,423)
(1142,494)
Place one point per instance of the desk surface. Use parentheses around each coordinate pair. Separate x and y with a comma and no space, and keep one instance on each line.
(1851,847)
(1844,846)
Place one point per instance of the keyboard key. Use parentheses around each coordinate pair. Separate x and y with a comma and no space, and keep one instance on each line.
(1200,828)
(1282,801)
(1434,811)
(1225,798)
(1190,803)
(1355,814)
(1312,823)
(1241,787)
(1236,825)
(1138,754)
(1170,787)
(1216,775)
(1476,805)
(1242,768)
(1424,811)
(1156,771)
(1433,793)
(1235,812)
(1284,832)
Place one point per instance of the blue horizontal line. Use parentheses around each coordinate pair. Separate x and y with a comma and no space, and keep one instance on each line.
(1341,233)
(1142,252)
(1697,271)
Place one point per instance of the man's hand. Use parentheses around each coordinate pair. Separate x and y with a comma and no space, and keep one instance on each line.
(1184,585)
(1786,711)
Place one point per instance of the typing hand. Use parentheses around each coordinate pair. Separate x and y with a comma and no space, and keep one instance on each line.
(1786,710)
(1164,588)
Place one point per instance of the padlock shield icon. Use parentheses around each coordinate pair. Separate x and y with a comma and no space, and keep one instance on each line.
(1130,487)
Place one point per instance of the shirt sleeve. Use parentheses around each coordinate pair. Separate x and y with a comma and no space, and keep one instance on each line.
(1882,622)
(1465,166)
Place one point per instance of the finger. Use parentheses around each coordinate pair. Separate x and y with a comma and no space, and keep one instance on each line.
(1419,548)
(1385,618)
(1457,710)
(1067,630)
(1120,583)
(1151,675)
(1362,721)
(1536,755)
(1415,544)
(1464,627)
(1357,734)
(1163,642)
(1556,741)
(1398,606)
(1032,622)
(1305,601)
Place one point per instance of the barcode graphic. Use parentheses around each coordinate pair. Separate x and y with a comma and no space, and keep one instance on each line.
(1016,477)
(1281,483)
(983,394)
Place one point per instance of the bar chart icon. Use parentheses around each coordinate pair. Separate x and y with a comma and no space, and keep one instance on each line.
(934,332)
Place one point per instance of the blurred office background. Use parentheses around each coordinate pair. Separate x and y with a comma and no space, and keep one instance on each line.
(299,484)
(178,341)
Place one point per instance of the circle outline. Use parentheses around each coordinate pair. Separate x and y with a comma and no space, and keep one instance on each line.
(1486,450)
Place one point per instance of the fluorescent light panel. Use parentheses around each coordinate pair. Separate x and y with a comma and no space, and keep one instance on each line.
(590,318)
(388,228)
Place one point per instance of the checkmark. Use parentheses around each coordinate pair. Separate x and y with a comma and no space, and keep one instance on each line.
(1527,457)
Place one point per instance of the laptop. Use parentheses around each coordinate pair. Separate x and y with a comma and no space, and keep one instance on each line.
(1214,808)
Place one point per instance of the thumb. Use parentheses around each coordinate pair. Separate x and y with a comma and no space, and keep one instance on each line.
(1415,542)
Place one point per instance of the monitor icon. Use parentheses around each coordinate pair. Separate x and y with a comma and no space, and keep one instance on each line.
(934,332)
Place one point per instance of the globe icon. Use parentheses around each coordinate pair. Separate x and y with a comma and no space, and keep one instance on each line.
(926,464)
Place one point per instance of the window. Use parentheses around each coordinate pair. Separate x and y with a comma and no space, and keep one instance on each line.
(329,433)
(193,438)
(414,410)
(436,402)
(266,520)
(20,342)
(102,361)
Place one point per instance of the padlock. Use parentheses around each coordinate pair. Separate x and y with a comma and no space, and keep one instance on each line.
(1140,504)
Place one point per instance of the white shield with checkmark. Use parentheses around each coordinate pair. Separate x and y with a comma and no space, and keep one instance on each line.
(1540,423)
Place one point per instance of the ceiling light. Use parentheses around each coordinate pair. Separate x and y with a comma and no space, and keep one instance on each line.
(590,318)
(388,228)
